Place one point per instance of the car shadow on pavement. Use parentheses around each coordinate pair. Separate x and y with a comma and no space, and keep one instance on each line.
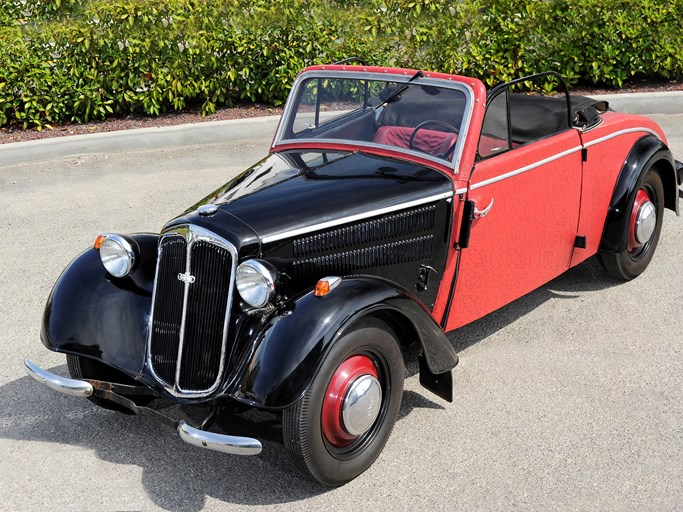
(588,276)
(175,475)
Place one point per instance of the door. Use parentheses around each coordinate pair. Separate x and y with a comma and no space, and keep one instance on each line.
(526,186)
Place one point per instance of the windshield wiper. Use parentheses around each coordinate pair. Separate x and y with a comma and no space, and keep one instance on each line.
(391,98)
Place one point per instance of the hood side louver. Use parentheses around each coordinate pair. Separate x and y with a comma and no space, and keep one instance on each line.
(393,239)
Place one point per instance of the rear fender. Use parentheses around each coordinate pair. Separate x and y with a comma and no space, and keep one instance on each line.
(90,313)
(286,350)
(647,152)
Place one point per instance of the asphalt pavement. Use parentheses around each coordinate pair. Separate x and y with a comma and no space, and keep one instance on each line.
(570,398)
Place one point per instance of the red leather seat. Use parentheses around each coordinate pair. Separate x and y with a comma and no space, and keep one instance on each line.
(434,142)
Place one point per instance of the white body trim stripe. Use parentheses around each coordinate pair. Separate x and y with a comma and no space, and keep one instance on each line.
(622,132)
(560,155)
(525,169)
(353,218)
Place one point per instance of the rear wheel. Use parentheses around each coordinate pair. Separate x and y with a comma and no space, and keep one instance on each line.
(345,418)
(644,227)
(83,368)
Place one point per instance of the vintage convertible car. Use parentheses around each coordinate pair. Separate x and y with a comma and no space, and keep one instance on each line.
(395,205)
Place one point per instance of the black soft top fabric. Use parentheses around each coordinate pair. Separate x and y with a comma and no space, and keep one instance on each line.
(534,117)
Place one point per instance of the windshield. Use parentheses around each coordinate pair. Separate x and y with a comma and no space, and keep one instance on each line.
(419,116)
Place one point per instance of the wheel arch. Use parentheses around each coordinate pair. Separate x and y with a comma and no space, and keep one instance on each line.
(648,152)
(91,314)
(291,345)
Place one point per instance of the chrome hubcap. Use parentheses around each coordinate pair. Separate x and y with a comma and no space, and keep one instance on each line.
(645,222)
(361,404)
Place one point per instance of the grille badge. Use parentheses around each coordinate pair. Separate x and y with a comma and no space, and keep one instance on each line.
(186,278)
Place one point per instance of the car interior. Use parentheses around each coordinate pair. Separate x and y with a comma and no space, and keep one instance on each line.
(422,118)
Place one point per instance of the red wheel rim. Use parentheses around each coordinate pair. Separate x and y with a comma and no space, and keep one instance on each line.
(331,418)
(642,197)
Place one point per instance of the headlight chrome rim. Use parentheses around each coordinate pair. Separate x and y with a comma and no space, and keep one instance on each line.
(117,264)
(260,289)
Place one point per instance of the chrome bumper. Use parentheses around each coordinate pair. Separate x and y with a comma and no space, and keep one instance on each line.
(71,387)
(218,442)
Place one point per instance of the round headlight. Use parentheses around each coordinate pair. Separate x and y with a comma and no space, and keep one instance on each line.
(256,282)
(117,255)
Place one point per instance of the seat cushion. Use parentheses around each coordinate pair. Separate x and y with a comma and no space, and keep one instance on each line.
(434,142)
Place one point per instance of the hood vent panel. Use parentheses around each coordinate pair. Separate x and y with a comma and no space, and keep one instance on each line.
(390,227)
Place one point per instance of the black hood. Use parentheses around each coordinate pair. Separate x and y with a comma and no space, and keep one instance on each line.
(295,192)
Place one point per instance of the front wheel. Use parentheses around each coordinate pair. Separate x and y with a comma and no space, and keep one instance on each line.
(644,227)
(337,430)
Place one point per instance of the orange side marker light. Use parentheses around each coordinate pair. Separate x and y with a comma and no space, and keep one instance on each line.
(98,242)
(326,285)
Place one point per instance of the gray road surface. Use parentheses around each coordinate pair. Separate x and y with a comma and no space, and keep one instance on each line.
(570,398)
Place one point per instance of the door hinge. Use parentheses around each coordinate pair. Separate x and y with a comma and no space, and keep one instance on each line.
(423,277)
(580,242)
(584,154)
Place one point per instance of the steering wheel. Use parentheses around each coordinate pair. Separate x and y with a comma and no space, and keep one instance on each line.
(442,124)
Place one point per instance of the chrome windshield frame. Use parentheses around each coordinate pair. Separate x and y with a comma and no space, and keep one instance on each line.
(453,163)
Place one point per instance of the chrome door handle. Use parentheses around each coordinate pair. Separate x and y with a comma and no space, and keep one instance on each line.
(482,213)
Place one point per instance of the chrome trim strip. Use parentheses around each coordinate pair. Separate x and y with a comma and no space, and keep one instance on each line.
(525,169)
(218,442)
(561,155)
(464,127)
(192,234)
(385,77)
(622,132)
(460,191)
(72,387)
(183,317)
(353,218)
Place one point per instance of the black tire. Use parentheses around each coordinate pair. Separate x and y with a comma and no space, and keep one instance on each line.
(302,423)
(83,368)
(627,265)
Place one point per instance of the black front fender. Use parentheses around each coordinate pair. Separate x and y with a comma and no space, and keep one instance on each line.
(646,152)
(93,314)
(285,352)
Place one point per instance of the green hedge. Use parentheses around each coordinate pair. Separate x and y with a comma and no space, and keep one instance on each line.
(78,60)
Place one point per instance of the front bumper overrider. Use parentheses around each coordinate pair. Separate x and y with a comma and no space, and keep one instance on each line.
(234,445)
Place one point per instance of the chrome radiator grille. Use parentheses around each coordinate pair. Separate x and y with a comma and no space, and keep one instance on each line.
(191,310)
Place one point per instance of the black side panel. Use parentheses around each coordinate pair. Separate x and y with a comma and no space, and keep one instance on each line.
(645,153)
(279,358)
(398,246)
(92,314)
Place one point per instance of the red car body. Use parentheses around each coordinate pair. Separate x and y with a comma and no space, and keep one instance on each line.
(395,205)
(548,193)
